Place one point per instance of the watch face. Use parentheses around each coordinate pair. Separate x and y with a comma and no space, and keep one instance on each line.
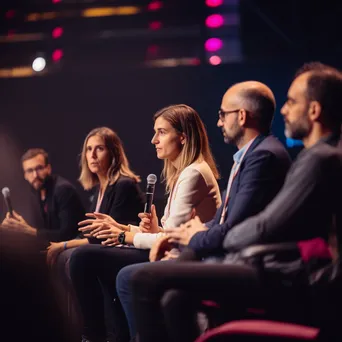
(121,238)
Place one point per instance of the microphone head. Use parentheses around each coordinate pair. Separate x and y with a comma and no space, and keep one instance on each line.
(151,179)
(6,191)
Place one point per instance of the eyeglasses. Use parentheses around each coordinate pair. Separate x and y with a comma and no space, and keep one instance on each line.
(223,113)
(37,169)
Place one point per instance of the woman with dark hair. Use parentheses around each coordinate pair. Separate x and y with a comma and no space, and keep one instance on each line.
(190,175)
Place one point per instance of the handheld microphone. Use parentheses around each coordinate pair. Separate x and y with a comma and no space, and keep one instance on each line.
(6,193)
(151,181)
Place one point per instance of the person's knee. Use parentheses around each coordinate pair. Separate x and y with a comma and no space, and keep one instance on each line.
(59,267)
(80,258)
(123,280)
(141,279)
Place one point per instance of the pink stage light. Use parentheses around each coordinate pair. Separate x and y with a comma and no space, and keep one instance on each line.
(215,60)
(154,5)
(57,55)
(56,1)
(213,3)
(213,44)
(214,21)
(152,49)
(155,25)
(57,32)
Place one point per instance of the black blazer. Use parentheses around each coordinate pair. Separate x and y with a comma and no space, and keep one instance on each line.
(261,175)
(62,210)
(122,200)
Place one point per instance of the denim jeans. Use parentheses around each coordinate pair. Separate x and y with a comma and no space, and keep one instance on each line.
(124,292)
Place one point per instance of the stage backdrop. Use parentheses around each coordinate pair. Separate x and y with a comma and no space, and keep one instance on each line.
(57,111)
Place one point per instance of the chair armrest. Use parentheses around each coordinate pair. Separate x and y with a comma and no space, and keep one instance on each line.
(259,251)
(254,255)
(255,329)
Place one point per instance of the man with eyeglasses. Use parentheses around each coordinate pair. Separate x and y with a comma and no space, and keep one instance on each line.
(258,173)
(60,206)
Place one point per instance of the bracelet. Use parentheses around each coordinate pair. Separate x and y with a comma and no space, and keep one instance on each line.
(65,245)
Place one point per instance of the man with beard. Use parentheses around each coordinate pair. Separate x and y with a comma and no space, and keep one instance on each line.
(60,206)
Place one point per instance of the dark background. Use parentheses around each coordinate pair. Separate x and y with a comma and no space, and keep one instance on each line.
(57,110)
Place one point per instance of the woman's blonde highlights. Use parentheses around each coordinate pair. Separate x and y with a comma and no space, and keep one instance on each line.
(185,120)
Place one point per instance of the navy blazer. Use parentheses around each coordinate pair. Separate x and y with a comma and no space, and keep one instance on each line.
(123,201)
(261,175)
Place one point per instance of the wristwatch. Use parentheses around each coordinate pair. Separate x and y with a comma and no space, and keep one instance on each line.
(121,238)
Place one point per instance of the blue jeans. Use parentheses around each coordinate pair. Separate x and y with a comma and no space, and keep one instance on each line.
(124,291)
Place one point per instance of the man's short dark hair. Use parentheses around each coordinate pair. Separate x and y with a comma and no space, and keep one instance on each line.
(262,107)
(33,152)
(313,66)
(325,86)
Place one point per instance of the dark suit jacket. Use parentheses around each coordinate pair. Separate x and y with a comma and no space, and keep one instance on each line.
(303,209)
(260,177)
(62,210)
(123,201)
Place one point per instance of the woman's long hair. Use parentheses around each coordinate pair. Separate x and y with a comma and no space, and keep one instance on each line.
(119,165)
(185,120)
